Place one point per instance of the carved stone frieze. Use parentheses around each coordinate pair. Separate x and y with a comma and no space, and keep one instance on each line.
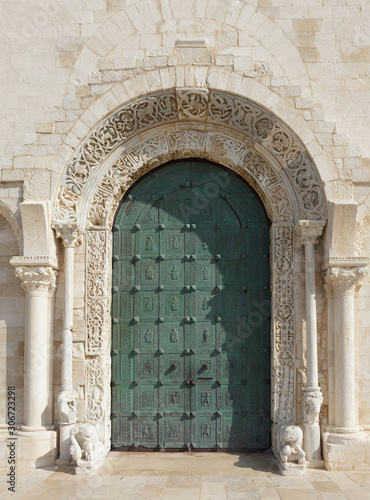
(283,323)
(206,107)
(97,379)
(343,280)
(189,143)
(192,103)
(97,290)
(36,278)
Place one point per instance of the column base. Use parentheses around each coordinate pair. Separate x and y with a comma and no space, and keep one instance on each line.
(346,450)
(312,442)
(32,449)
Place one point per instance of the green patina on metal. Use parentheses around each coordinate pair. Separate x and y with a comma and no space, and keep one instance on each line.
(191,312)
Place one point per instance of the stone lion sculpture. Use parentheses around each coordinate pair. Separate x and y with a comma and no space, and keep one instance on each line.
(85,443)
(288,443)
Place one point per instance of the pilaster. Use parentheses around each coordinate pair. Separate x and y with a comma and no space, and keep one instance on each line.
(344,440)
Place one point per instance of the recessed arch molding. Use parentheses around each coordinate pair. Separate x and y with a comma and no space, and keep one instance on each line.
(287,175)
(175,124)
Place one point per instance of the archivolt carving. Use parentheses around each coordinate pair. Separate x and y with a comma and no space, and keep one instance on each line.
(189,143)
(97,291)
(207,106)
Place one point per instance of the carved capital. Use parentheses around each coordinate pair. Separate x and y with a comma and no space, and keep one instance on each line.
(36,278)
(308,231)
(70,234)
(343,280)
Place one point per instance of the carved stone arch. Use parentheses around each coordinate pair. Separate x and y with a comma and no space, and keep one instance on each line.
(162,145)
(173,124)
(6,213)
(266,134)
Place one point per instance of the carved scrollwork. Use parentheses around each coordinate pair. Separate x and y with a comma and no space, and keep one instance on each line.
(97,291)
(189,143)
(97,389)
(207,106)
(192,103)
(283,323)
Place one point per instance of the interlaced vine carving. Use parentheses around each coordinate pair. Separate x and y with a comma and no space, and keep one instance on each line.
(97,291)
(283,323)
(204,106)
(189,143)
(97,389)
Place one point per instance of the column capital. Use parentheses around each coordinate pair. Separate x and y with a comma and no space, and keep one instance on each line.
(36,278)
(70,234)
(308,231)
(343,280)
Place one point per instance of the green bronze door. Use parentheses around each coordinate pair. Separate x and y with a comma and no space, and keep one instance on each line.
(191,309)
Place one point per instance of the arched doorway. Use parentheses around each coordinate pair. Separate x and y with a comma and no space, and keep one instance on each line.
(191,312)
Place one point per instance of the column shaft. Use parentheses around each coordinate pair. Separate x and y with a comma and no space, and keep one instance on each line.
(36,361)
(345,390)
(331,358)
(312,369)
(68,319)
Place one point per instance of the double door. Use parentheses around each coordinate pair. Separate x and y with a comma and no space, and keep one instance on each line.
(190,342)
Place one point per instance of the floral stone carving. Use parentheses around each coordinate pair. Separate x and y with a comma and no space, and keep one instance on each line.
(171,145)
(202,105)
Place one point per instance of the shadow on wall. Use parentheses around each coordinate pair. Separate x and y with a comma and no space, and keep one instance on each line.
(12,304)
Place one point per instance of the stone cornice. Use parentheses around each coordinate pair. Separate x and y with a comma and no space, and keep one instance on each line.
(308,231)
(34,261)
(70,234)
(345,262)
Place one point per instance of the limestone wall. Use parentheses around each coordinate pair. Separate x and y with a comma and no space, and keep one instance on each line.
(65,63)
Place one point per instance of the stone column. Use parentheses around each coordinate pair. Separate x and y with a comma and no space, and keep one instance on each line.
(38,281)
(308,233)
(67,399)
(342,281)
